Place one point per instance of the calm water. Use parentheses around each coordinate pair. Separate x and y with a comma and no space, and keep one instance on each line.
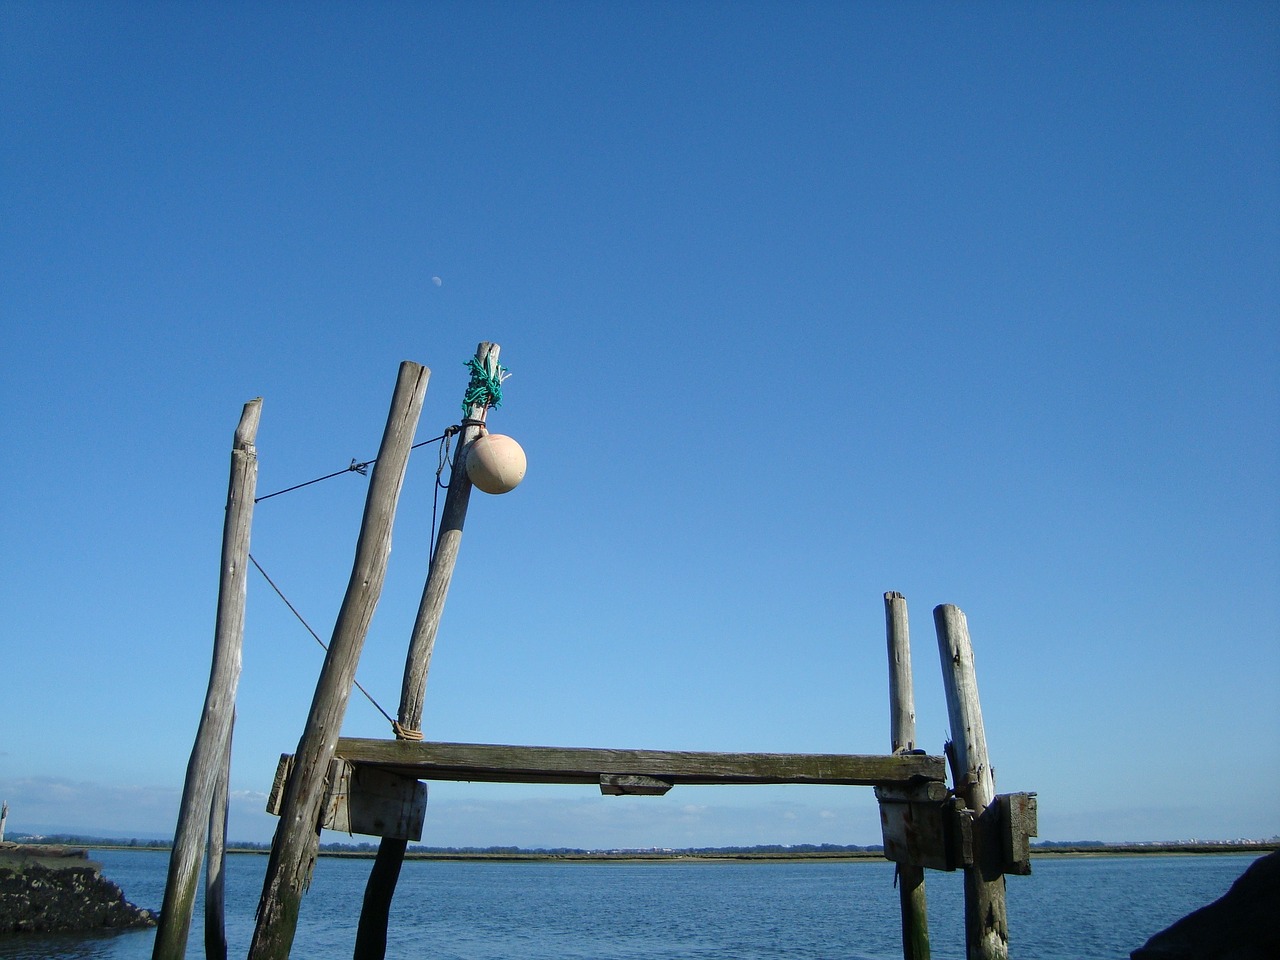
(1069,909)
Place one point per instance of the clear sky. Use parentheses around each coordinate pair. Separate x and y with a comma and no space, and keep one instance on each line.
(802,303)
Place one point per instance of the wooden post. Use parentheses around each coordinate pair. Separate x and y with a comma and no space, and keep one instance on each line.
(297,838)
(902,735)
(985,918)
(440,575)
(215,876)
(213,735)
(371,936)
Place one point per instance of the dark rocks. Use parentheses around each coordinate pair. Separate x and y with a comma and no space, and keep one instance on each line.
(1243,924)
(50,889)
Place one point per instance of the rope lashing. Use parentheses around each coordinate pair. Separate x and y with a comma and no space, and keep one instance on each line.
(485,388)
(404,733)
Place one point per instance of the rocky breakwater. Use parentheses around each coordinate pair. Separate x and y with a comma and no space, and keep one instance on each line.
(53,888)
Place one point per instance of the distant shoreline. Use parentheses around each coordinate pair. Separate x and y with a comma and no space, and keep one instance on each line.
(735,855)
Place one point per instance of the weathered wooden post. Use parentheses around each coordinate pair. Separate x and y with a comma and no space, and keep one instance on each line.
(985,918)
(297,839)
(215,876)
(209,754)
(371,937)
(902,733)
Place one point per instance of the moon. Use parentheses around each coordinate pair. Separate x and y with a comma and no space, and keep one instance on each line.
(437,281)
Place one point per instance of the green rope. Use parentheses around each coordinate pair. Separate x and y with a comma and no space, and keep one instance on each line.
(485,387)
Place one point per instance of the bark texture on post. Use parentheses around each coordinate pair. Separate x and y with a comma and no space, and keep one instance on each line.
(371,936)
(902,737)
(297,838)
(213,737)
(985,917)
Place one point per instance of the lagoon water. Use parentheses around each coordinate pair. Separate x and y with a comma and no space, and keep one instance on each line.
(1077,908)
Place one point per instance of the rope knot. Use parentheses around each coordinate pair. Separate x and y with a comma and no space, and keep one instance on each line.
(485,388)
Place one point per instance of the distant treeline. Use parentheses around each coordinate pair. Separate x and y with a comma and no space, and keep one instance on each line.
(369,848)
(83,840)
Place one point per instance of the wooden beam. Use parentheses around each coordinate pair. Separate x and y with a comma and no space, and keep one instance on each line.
(499,763)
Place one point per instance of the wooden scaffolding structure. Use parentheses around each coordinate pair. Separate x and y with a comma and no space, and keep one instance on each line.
(375,787)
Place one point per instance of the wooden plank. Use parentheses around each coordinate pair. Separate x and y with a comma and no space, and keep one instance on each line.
(501,763)
(985,912)
(898,820)
(915,837)
(927,791)
(213,737)
(1018,824)
(626,785)
(297,839)
(374,803)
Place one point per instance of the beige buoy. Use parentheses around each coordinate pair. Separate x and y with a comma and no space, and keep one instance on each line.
(495,463)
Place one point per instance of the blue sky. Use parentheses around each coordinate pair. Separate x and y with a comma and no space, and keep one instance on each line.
(802,303)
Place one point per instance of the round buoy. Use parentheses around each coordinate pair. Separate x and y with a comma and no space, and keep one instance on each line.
(495,463)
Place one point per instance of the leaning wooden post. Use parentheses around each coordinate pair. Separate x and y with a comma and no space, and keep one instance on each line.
(985,918)
(215,874)
(213,735)
(902,734)
(297,838)
(371,936)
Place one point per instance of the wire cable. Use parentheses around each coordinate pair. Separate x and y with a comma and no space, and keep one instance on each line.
(294,610)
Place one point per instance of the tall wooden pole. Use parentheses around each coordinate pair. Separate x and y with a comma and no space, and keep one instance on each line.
(902,735)
(297,839)
(371,936)
(208,755)
(985,918)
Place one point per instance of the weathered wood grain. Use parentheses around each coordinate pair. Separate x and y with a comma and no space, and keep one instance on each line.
(294,849)
(985,913)
(503,763)
(443,560)
(213,736)
(902,740)
(215,875)
(371,934)
(1019,822)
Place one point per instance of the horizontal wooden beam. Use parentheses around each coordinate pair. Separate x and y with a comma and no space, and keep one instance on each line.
(497,763)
